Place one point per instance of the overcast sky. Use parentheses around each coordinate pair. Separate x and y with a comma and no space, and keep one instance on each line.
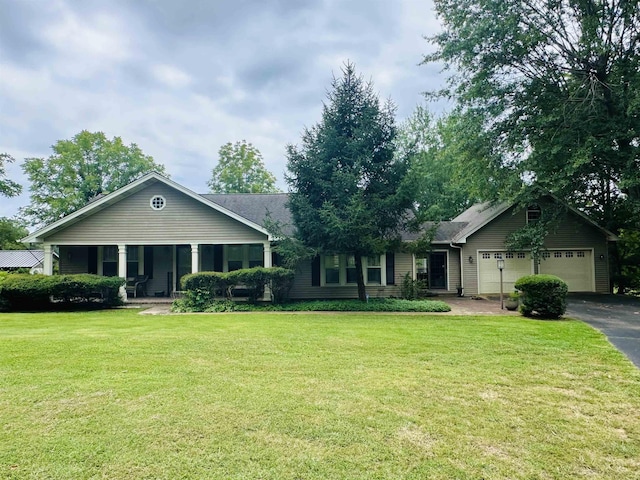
(181,78)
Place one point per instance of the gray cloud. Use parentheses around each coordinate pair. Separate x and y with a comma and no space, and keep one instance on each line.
(182,78)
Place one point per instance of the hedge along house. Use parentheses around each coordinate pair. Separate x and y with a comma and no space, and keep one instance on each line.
(159,230)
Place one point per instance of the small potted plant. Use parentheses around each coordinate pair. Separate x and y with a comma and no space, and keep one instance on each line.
(513,301)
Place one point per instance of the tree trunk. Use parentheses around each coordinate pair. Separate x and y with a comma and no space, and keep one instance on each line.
(362,292)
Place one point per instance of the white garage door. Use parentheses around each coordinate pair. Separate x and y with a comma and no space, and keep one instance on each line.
(516,265)
(573,266)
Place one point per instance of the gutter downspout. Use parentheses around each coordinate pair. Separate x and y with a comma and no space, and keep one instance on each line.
(461,292)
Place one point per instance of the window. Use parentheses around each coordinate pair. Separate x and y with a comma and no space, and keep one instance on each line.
(341,270)
(568,254)
(374,271)
(533,213)
(521,255)
(557,254)
(133,260)
(546,254)
(486,256)
(235,256)
(580,254)
(352,275)
(497,255)
(508,255)
(256,257)
(157,202)
(110,261)
(244,256)
(332,270)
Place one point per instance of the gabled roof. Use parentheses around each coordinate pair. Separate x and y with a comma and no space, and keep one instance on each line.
(476,217)
(479,215)
(105,201)
(252,209)
(21,258)
(255,206)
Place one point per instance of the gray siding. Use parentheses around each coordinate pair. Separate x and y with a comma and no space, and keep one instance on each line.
(302,287)
(132,221)
(572,233)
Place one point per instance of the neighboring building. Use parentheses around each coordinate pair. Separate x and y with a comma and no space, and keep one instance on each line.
(158,228)
(11,260)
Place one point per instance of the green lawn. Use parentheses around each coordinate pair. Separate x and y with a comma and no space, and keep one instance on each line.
(117,395)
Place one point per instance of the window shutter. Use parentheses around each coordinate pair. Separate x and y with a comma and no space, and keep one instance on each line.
(148,261)
(391,268)
(217,258)
(315,271)
(92,260)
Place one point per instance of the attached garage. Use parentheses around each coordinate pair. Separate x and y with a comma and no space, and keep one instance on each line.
(573,266)
(516,265)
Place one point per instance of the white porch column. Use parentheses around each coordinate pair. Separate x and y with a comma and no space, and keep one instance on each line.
(267,263)
(194,258)
(47,262)
(267,254)
(122,268)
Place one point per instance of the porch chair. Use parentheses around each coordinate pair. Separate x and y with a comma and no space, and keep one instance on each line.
(136,283)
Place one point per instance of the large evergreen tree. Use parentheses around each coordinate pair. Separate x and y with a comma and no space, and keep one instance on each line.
(347,192)
(80,169)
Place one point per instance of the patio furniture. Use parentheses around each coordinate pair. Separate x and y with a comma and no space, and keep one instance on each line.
(137,284)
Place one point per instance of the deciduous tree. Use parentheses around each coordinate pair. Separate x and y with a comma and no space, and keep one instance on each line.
(347,191)
(8,188)
(80,169)
(434,149)
(555,87)
(240,169)
(11,231)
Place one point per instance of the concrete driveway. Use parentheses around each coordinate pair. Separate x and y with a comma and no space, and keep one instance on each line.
(616,316)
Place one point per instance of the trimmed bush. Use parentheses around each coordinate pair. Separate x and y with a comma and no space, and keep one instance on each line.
(43,292)
(543,295)
(281,283)
(253,280)
(205,288)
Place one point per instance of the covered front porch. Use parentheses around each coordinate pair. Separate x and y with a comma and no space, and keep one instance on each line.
(156,268)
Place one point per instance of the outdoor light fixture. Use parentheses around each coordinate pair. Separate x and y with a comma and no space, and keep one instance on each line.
(470,259)
(501,267)
(602,257)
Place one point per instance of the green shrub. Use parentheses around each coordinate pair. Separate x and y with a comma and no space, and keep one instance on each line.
(544,295)
(202,290)
(411,289)
(373,305)
(43,292)
(254,281)
(281,283)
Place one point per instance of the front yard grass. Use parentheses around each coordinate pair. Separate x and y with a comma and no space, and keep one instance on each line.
(116,395)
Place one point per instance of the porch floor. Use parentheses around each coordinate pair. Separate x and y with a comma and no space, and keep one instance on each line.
(149,300)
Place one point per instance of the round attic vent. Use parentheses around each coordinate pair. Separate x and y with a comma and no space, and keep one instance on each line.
(157,202)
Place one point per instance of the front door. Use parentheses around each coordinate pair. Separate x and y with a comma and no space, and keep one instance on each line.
(438,270)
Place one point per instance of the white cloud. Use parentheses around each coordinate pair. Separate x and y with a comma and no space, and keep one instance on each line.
(171,76)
